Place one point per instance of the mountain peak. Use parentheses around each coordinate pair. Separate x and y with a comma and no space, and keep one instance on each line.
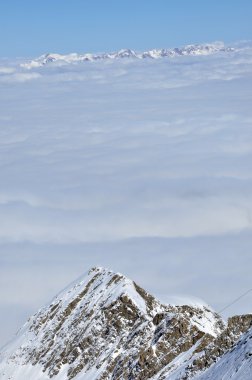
(105,326)
(104,287)
(53,59)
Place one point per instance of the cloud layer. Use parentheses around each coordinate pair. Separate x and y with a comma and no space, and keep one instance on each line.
(107,152)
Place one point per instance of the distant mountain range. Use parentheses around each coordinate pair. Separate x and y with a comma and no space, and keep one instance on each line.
(105,327)
(203,49)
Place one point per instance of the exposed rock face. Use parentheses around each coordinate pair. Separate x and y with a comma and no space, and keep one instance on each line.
(106,327)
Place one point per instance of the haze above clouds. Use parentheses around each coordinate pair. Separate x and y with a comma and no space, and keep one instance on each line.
(142,166)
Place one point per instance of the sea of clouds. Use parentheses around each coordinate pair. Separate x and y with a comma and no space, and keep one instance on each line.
(141,166)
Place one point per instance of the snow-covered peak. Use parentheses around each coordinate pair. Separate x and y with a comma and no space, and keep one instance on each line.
(60,59)
(105,326)
(101,287)
(125,53)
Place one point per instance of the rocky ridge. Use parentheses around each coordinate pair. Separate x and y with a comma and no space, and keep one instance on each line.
(105,326)
(52,59)
(235,364)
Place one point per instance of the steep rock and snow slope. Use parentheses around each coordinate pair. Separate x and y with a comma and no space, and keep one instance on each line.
(204,49)
(236,364)
(105,326)
(193,364)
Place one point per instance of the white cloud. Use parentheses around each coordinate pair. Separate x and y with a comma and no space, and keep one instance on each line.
(16,77)
(6,70)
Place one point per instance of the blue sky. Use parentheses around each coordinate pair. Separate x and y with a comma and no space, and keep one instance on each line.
(32,27)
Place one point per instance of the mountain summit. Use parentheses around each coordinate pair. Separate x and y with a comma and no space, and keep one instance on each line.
(104,326)
(60,59)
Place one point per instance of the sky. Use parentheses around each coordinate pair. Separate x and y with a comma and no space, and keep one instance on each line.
(141,166)
(30,28)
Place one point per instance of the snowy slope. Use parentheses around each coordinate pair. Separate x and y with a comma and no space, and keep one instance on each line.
(59,59)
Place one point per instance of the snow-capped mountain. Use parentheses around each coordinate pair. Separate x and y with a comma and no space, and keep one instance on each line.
(105,326)
(204,49)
